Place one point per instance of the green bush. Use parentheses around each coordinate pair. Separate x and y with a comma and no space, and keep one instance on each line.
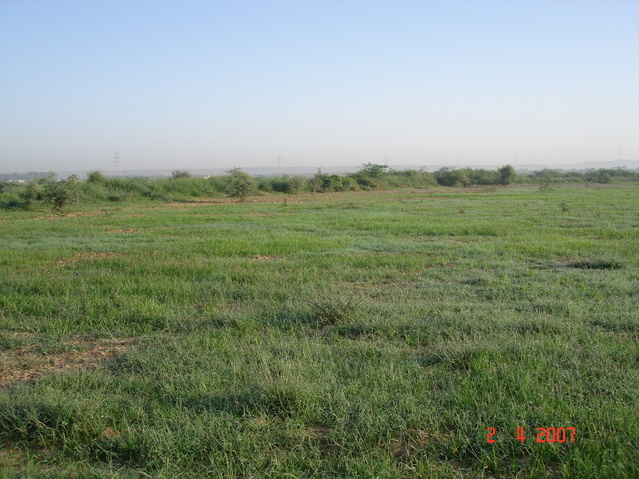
(449,176)
(96,177)
(284,184)
(93,191)
(267,184)
(240,184)
(507,175)
(368,183)
(31,192)
(315,183)
(371,176)
(10,200)
(59,194)
(216,185)
(483,177)
(410,178)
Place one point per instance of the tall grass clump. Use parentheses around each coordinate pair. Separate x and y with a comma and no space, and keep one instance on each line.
(331,307)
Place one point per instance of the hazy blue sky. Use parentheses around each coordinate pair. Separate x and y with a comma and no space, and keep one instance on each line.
(197,84)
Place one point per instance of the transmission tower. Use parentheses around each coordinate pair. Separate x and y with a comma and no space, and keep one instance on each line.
(116,158)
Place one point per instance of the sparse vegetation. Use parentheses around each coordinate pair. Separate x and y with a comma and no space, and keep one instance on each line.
(182,186)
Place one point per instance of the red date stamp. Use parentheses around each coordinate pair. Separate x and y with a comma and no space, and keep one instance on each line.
(544,434)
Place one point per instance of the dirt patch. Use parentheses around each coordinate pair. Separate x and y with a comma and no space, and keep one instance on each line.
(29,361)
(261,257)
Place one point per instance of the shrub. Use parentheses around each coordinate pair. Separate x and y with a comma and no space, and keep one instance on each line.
(284,184)
(216,184)
(368,183)
(93,191)
(448,176)
(371,176)
(412,178)
(372,170)
(316,182)
(483,177)
(604,177)
(59,194)
(268,184)
(10,200)
(30,193)
(240,184)
(507,175)
(96,177)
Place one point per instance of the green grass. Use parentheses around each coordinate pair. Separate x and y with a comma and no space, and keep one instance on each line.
(364,334)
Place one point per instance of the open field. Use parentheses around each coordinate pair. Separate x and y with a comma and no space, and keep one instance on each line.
(355,334)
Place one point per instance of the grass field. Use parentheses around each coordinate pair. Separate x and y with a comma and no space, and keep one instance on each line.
(363,334)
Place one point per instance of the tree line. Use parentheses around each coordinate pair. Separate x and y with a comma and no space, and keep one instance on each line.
(58,194)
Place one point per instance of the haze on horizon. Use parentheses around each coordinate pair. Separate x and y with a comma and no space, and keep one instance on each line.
(211,84)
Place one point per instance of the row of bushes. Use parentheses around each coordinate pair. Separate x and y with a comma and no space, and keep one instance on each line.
(602,175)
(238,184)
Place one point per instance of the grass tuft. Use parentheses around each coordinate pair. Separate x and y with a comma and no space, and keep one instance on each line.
(331,308)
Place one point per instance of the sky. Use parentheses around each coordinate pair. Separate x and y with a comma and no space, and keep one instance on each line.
(236,83)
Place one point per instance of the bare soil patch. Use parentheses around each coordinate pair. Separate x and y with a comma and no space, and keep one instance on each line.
(28,361)
(261,257)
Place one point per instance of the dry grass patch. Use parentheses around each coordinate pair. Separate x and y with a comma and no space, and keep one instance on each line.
(29,361)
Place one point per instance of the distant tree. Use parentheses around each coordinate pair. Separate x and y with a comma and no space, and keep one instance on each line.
(179,174)
(372,170)
(507,175)
(240,184)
